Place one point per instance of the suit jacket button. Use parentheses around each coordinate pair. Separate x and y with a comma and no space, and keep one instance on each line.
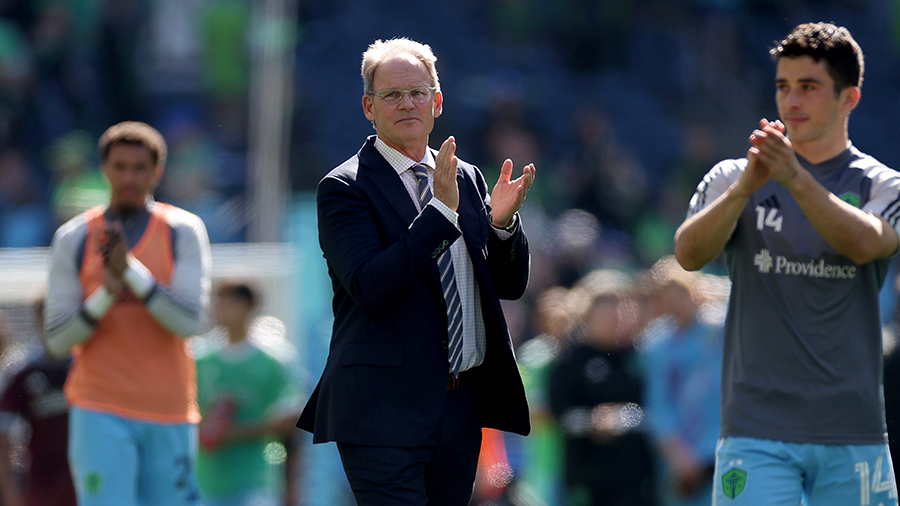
(445,344)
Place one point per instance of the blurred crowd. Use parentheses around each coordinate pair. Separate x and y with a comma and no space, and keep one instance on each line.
(622,106)
(622,377)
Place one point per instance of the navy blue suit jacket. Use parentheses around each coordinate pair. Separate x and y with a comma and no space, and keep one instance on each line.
(385,380)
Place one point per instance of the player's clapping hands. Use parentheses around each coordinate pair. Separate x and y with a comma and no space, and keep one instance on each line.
(114,249)
(772,148)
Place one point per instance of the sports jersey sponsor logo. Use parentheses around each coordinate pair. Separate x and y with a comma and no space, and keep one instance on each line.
(763,260)
(766,263)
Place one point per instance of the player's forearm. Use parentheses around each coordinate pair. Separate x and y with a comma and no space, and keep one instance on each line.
(65,332)
(69,333)
(701,238)
(178,316)
(860,236)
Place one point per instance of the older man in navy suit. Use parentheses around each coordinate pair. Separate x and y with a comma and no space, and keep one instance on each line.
(419,256)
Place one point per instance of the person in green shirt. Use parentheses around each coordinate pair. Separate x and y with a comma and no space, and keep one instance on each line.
(249,402)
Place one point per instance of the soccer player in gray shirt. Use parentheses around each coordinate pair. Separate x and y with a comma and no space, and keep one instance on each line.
(808,224)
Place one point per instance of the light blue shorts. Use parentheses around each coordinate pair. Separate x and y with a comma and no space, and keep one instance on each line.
(753,472)
(117,461)
(252,498)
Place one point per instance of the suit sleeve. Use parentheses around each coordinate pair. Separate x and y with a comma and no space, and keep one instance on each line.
(355,244)
(508,256)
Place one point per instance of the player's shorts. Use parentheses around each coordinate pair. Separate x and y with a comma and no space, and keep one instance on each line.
(253,498)
(752,472)
(117,461)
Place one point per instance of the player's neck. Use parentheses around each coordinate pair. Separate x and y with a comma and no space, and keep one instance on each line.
(825,148)
(236,334)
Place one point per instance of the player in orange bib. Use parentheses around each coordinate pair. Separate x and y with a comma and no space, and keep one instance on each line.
(128,282)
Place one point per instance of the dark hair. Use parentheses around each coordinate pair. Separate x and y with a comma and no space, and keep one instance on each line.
(238,290)
(135,133)
(829,43)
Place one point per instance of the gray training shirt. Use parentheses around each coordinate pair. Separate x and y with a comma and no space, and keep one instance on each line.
(803,352)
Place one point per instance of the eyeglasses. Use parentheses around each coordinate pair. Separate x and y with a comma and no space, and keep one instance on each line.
(419,95)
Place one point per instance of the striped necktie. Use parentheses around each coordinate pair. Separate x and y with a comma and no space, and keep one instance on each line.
(448,282)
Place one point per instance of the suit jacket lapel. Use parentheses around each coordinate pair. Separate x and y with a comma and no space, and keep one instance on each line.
(385,179)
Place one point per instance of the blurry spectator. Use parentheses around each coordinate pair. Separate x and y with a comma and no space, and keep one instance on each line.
(225,30)
(35,395)
(16,77)
(79,184)
(542,464)
(602,176)
(24,214)
(658,222)
(593,35)
(249,403)
(596,394)
(682,371)
(123,23)
(63,96)
(576,245)
(192,180)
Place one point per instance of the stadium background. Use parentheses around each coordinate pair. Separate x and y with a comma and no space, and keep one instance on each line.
(622,106)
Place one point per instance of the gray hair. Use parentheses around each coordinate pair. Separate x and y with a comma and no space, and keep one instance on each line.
(380,50)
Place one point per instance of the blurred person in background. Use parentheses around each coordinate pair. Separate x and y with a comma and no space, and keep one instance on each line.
(596,393)
(808,224)
(78,185)
(542,465)
(25,220)
(34,394)
(249,402)
(421,357)
(128,283)
(682,362)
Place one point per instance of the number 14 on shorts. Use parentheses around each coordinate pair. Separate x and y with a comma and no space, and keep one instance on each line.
(872,483)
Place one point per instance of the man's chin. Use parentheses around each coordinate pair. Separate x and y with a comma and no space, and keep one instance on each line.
(127,206)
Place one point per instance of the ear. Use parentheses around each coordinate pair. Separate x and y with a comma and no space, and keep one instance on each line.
(438,104)
(850,98)
(103,172)
(157,175)
(368,104)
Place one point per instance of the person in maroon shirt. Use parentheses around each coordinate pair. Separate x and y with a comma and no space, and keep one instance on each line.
(34,392)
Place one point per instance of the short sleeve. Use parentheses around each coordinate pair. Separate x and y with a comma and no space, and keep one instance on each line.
(715,183)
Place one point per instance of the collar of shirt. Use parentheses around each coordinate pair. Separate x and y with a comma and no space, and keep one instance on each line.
(398,160)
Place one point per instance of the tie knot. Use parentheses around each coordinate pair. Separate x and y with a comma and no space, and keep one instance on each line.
(421,171)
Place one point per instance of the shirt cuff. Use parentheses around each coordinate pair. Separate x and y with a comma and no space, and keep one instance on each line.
(139,279)
(98,303)
(448,213)
(506,233)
